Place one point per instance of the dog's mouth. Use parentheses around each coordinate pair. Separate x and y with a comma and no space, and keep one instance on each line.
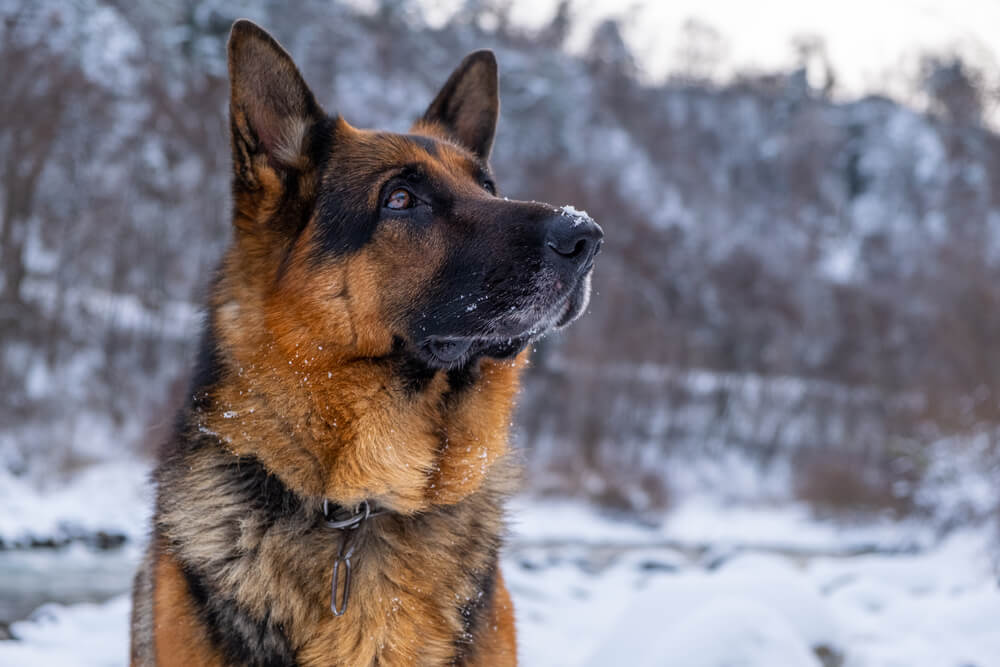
(441,351)
(550,308)
(448,350)
(456,351)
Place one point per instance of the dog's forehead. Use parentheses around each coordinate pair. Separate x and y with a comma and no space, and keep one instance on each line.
(450,158)
(383,151)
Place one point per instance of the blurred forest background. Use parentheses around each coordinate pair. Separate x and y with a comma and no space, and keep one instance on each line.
(798,298)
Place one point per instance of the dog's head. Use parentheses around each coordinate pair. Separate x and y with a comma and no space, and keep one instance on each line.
(380,243)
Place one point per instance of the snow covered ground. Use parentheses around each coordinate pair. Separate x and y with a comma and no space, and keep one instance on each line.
(711,586)
(718,587)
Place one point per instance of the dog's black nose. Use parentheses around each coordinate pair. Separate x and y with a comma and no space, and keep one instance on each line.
(574,238)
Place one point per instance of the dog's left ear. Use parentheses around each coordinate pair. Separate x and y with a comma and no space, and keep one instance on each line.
(469,103)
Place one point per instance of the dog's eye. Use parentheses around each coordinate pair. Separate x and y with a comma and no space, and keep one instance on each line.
(399,199)
(490,186)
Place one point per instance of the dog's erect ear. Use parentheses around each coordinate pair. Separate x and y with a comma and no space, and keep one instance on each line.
(469,103)
(271,107)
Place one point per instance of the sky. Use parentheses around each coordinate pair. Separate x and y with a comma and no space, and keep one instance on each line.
(874,45)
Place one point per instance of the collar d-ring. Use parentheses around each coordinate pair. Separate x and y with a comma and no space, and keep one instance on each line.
(362,512)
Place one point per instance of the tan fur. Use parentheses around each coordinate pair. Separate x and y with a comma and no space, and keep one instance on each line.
(498,645)
(180,640)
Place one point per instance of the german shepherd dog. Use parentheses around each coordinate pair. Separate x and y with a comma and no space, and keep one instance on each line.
(333,493)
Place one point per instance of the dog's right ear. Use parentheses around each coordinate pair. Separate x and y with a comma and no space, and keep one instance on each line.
(271,108)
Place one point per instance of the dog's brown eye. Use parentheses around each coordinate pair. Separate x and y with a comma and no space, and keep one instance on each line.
(399,199)
(490,186)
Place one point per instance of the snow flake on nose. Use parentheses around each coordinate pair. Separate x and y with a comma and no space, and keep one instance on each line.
(579,217)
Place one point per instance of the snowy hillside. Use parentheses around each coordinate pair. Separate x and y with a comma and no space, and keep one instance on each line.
(757,227)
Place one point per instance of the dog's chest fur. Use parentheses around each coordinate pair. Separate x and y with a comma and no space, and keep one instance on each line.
(257,560)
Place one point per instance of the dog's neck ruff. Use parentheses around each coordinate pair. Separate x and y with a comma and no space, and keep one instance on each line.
(348,522)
